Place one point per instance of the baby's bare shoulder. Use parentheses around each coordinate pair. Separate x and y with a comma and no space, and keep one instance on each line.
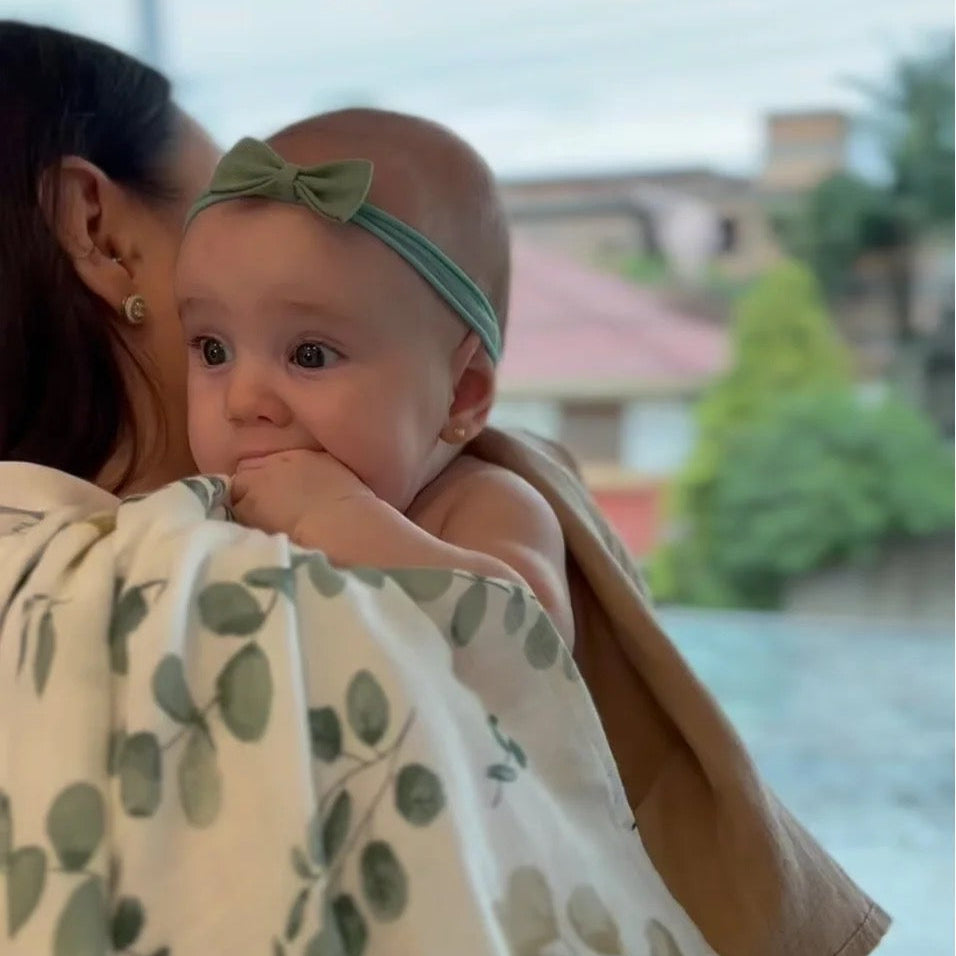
(471,481)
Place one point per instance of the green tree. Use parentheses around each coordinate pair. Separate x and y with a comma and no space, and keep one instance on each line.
(783,345)
(825,479)
(846,217)
(838,222)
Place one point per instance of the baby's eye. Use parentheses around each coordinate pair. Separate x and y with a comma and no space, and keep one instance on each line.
(314,355)
(213,351)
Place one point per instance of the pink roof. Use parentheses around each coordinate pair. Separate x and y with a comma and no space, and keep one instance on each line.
(575,330)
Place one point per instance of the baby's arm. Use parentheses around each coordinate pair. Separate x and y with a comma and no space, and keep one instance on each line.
(496,525)
(497,513)
(487,521)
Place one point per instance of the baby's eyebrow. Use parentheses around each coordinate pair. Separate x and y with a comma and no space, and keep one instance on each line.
(192,303)
(309,309)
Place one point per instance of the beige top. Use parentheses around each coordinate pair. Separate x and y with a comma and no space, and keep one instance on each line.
(747,873)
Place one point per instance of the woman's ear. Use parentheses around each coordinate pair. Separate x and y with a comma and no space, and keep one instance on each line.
(82,204)
(474,391)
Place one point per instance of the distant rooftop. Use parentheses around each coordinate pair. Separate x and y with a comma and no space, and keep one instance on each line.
(577,332)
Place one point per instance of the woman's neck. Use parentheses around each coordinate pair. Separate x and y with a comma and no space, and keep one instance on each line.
(157,466)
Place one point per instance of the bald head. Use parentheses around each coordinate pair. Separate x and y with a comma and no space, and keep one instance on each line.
(426,176)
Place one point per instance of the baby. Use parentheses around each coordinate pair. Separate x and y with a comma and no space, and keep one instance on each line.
(340,361)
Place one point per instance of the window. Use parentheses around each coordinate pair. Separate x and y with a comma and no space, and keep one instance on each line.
(592,431)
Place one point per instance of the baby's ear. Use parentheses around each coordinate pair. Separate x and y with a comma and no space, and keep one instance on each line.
(474,388)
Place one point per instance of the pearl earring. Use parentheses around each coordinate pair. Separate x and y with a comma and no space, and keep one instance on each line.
(134,309)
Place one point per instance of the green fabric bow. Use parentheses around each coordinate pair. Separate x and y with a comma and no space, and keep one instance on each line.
(337,191)
(251,169)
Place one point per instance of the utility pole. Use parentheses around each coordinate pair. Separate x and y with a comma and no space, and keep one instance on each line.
(150,34)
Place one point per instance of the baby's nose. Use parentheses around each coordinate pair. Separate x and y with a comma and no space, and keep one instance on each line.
(250,398)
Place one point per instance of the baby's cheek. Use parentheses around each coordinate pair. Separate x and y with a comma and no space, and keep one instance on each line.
(208,441)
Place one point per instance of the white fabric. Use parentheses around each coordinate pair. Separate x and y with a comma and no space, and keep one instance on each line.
(184,704)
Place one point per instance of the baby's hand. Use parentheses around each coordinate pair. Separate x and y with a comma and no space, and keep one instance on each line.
(282,492)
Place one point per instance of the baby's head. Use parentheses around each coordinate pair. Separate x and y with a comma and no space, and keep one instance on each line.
(310,333)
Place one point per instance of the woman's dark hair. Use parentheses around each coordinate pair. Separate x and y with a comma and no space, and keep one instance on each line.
(63,401)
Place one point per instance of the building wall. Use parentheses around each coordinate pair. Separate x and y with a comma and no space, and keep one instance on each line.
(803,149)
(604,238)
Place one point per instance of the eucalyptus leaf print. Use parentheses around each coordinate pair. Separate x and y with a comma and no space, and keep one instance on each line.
(351,925)
(75,825)
(515,611)
(45,649)
(527,914)
(82,927)
(198,487)
(130,608)
(325,579)
(26,877)
(245,693)
(660,939)
(568,666)
(301,865)
(593,922)
(541,644)
(200,781)
(384,883)
(127,922)
(366,708)
(325,943)
(171,692)
(6,829)
(502,772)
(423,584)
(336,826)
(140,773)
(419,796)
(229,610)
(325,732)
(469,613)
(296,915)
(514,759)
(370,576)
(276,579)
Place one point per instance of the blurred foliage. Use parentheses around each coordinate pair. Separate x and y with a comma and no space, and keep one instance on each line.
(777,431)
(840,220)
(846,217)
(824,480)
(644,269)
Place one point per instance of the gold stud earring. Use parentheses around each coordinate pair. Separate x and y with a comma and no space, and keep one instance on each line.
(134,309)
(454,434)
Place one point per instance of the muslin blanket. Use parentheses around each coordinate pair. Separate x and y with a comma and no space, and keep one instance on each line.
(213,742)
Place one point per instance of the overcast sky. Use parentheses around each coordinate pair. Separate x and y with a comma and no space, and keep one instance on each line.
(537,85)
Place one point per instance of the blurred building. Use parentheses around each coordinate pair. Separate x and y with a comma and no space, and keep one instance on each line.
(692,219)
(610,370)
(803,149)
(703,227)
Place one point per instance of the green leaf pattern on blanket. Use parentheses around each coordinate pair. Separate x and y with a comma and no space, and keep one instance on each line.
(469,613)
(531,924)
(75,828)
(342,826)
(506,770)
(130,607)
(347,872)
(38,608)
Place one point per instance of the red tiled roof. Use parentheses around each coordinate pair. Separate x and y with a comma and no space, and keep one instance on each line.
(573,329)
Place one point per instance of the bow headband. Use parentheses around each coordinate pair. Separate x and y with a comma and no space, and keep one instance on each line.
(337,191)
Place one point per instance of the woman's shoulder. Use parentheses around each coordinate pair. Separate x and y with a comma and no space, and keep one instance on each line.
(38,488)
